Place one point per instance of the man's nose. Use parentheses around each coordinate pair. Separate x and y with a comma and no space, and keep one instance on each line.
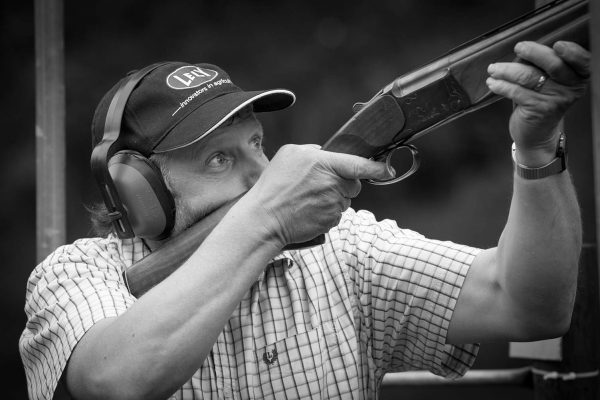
(254,169)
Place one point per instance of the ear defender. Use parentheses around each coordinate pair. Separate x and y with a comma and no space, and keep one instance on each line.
(144,195)
(133,189)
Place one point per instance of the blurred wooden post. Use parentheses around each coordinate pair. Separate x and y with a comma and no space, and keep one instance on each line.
(595,109)
(50,126)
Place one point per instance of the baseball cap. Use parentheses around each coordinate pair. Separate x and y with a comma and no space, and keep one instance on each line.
(179,103)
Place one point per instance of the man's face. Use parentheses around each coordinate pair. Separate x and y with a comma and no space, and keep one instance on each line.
(205,175)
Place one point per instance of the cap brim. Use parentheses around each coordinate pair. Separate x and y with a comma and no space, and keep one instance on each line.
(209,116)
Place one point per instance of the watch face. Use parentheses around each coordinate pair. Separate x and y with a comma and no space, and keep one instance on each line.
(561,151)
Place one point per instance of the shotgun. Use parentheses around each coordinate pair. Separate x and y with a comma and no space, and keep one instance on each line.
(407,108)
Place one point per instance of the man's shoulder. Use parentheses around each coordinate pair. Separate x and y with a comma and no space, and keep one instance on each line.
(93,250)
(84,246)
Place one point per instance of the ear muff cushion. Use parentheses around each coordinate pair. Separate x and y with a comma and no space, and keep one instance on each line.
(149,204)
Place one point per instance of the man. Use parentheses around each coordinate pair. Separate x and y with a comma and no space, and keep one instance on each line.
(242,319)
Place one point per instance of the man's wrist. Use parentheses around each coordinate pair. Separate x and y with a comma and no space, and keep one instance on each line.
(254,218)
(536,155)
(533,158)
(541,162)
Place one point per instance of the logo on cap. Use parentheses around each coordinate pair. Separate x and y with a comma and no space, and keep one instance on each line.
(190,77)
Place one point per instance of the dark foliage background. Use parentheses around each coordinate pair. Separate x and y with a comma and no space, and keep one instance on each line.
(331,54)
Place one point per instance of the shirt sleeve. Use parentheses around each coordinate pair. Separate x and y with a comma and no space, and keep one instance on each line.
(406,288)
(71,290)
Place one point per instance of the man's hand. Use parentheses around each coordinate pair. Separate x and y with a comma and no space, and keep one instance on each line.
(304,190)
(542,91)
(524,289)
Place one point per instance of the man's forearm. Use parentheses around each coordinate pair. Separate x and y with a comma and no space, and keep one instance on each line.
(538,252)
(159,343)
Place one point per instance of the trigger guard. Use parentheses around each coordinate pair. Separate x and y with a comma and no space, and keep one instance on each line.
(388,160)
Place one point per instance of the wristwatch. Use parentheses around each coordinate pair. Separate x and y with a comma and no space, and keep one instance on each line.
(556,166)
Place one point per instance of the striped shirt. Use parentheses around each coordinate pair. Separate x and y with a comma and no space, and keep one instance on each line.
(325,322)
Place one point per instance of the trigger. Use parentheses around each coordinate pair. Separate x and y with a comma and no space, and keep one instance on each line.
(416,162)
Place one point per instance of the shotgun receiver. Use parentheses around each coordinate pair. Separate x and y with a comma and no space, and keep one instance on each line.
(407,108)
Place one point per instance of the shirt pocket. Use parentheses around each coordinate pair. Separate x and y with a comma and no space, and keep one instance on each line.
(304,366)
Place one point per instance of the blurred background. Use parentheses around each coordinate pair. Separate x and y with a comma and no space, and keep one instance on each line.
(331,54)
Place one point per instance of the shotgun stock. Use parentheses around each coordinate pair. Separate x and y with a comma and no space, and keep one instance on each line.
(152,269)
(405,109)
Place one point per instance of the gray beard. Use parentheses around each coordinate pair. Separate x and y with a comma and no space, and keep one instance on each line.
(185,217)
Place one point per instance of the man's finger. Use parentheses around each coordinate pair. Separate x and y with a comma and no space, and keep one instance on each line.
(578,58)
(524,75)
(513,91)
(346,203)
(354,167)
(547,60)
(350,188)
(313,146)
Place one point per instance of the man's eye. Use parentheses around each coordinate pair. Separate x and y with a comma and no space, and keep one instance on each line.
(257,143)
(217,161)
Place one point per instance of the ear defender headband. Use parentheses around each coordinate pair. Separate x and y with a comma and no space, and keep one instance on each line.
(132,187)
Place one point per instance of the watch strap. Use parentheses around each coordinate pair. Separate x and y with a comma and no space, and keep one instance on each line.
(556,166)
